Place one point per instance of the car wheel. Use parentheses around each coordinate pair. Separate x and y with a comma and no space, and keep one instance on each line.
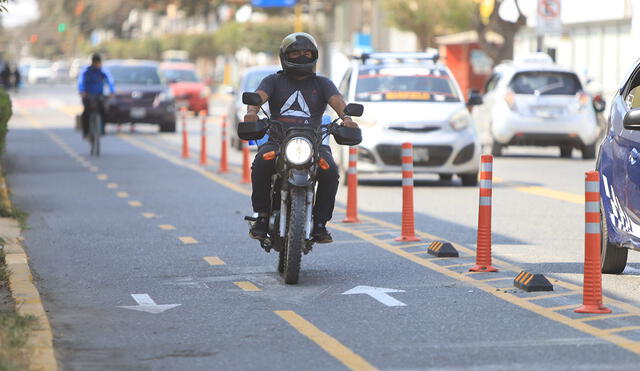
(589,152)
(445,177)
(565,151)
(496,148)
(168,127)
(469,180)
(613,259)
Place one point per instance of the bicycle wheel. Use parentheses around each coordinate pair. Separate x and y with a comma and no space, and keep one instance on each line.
(94,134)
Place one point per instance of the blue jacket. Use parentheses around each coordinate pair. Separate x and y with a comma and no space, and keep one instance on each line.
(91,81)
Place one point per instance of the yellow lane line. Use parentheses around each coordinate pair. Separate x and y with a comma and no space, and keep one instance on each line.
(564,307)
(167,227)
(188,240)
(329,344)
(458,265)
(598,318)
(135,203)
(464,277)
(558,295)
(558,195)
(102,176)
(214,260)
(112,185)
(149,215)
(622,329)
(247,286)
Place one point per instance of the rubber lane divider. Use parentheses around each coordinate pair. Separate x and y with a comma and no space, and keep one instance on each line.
(246,163)
(408,233)
(102,177)
(224,165)
(188,240)
(166,227)
(330,345)
(481,283)
(203,138)
(135,203)
(442,249)
(592,287)
(112,185)
(483,248)
(122,194)
(149,215)
(531,282)
(247,286)
(352,187)
(185,134)
(214,260)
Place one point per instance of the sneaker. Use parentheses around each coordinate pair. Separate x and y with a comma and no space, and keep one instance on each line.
(321,234)
(260,228)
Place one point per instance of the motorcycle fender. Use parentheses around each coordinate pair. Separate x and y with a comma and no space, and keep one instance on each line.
(299,178)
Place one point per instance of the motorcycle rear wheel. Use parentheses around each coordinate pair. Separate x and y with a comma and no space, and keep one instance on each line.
(295,236)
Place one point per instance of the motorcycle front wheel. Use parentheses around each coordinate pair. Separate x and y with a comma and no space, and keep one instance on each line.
(295,236)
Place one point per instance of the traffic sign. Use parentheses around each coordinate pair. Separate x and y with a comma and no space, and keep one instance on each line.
(273,3)
(549,17)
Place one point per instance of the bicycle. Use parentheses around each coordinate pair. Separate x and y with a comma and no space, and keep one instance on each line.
(95,124)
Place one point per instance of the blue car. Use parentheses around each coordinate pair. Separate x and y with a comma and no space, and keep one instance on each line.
(619,166)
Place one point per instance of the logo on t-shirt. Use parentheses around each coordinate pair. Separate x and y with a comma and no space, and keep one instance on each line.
(295,106)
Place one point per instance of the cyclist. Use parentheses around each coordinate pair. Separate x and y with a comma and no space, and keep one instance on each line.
(297,96)
(91,83)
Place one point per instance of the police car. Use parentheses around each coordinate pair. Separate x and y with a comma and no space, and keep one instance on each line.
(619,165)
(410,97)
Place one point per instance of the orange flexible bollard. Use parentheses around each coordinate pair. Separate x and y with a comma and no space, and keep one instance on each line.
(203,138)
(352,184)
(224,166)
(592,287)
(246,166)
(185,135)
(483,248)
(408,223)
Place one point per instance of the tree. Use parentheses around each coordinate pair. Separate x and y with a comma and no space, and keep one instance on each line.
(428,18)
(507,29)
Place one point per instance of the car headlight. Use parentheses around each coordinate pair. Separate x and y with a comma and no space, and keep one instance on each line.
(460,120)
(165,96)
(205,92)
(298,151)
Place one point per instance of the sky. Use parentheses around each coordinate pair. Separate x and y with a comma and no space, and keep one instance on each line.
(19,12)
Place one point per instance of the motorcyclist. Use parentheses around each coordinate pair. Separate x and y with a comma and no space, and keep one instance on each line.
(296,96)
(91,82)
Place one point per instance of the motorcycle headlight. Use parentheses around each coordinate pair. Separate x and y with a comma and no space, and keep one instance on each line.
(460,120)
(298,151)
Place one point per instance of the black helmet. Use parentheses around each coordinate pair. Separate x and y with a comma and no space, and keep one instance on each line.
(294,42)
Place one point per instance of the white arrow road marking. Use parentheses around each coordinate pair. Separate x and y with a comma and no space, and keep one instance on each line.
(379,293)
(146,304)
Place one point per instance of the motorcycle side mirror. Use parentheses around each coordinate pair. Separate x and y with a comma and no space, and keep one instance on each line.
(251,99)
(252,130)
(347,136)
(631,120)
(354,109)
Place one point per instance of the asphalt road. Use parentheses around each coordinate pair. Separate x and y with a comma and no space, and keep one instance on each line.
(141,221)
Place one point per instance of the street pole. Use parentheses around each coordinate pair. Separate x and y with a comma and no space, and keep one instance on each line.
(298,21)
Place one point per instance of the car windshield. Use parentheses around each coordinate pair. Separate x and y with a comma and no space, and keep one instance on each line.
(405,84)
(180,75)
(545,83)
(135,75)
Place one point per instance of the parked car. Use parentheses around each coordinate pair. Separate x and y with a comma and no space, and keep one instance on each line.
(187,88)
(534,102)
(411,97)
(248,82)
(76,66)
(619,165)
(140,96)
(60,71)
(40,71)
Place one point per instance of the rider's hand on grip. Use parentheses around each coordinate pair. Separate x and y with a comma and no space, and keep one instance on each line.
(250,117)
(348,122)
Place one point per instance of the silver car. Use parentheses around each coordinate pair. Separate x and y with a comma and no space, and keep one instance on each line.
(410,97)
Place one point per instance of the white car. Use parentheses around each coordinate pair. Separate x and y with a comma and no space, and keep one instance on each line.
(534,102)
(40,71)
(410,97)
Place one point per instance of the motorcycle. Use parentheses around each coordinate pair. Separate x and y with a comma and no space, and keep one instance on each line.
(293,185)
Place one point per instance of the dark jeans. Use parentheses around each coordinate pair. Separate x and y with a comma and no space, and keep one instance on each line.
(328,181)
(90,103)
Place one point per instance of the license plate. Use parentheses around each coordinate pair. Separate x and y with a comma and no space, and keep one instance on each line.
(421,154)
(547,112)
(138,112)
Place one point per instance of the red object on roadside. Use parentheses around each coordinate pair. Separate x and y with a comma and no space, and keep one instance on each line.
(203,138)
(592,287)
(483,248)
(408,223)
(352,187)
(185,136)
(224,166)
(246,166)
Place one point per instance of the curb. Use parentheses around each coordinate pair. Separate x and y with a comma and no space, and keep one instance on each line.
(24,292)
